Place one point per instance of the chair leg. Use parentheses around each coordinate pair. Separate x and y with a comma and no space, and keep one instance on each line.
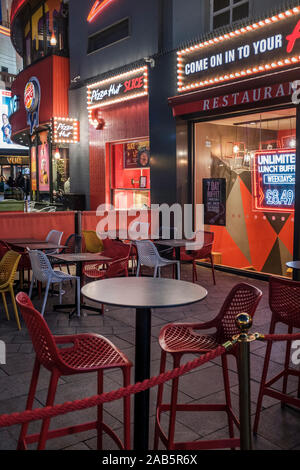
(286,366)
(160,392)
(227,394)
(45,298)
(78,296)
(127,443)
(69,272)
(31,286)
(60,293)
(172,421)
(5,305)
(194,272)
(50,402)
(155,272)
(29,404)
(212,268)
(12,294)
(138,270)
(100,413)
(263,380)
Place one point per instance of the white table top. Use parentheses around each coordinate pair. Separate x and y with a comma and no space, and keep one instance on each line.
(144,292)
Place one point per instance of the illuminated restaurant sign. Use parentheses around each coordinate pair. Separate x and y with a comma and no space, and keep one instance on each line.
(274,180)
(263,46)
(32,99)
(127,86)
(65,130)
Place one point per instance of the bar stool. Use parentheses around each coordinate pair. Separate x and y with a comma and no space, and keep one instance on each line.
(182,338)
(284,301)
(88,353)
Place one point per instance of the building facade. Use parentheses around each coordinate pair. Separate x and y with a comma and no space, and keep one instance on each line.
(177,102)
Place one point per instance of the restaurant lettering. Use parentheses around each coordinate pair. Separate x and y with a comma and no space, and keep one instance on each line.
(65,130)
(116,89)
(263,46)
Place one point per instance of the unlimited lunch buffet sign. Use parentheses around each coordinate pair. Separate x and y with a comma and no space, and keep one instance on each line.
(127,86)
(260,47)
(274,180)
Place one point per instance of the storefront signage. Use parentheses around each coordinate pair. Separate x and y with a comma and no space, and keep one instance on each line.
(257,95)
(214,200)
(65,130)
(274,180)
(136,155)
(127,86)
(263,46)
(98,7)
(14,160)
(32,98)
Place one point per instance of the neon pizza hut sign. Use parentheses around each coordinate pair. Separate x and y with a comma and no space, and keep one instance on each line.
(274,179)
(66,130)
(129,85)
(263,46)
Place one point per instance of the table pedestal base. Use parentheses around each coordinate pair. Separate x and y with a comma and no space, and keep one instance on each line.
(142,372)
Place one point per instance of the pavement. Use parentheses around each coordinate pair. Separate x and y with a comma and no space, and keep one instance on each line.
(279,428)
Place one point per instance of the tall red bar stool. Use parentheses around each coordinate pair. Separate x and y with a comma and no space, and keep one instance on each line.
(183,338)
(88,353)
(284,301)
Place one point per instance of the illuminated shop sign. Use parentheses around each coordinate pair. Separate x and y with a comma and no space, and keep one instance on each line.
(98,7)
(263,46)
(127,86)
(32,99)
(65,130)
(274,180)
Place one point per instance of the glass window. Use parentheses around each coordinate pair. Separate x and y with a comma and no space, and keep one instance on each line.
(254,158)
(225,12)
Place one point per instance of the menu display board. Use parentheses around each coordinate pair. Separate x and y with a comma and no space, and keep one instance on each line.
(44,168)
(137,155)
(214,200)
(33,169)
(274,180)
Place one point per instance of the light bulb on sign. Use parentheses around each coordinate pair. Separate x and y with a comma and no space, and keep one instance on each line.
(293,143)
(57,155)
(236,149)
(53,40)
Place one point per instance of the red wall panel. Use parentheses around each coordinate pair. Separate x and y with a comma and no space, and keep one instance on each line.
(53,74)
(122,121)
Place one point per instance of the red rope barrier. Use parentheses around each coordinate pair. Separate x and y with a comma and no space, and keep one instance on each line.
(57,410)
(293,337)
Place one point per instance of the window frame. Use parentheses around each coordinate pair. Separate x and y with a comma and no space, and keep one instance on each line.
(127,18)
(229,8)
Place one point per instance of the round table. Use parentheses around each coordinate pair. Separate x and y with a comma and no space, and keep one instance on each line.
(143,294)
(293,264)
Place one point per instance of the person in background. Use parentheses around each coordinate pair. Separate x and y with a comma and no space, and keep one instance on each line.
(20,182)
(67,186)
(11,182)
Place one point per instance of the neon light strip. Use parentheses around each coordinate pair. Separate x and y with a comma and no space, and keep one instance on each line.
(15,9)
(242,73)
(98,7)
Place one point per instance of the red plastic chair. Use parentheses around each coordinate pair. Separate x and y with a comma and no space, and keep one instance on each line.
(183,338)
(204,253)
(88,353)
(284,301)
(116,268)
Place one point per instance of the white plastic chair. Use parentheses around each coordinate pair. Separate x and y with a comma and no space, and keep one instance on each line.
(149,256)
(43,272)
(54,236)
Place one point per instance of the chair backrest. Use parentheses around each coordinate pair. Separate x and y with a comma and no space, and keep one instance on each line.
(54,236)
(40,265)
(4,248)
(243,298)
(73,244)
(119,267)
(138,230)
(284,301)
(8,267)
(92,242)
(41,337)
(147,253)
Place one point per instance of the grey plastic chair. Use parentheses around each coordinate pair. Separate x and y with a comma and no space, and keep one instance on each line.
(43,272)
(54,236)
(148,256)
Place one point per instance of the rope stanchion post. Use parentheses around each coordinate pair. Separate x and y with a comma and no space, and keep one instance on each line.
(244,323)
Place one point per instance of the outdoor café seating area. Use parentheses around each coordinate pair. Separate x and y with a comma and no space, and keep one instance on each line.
(84,314)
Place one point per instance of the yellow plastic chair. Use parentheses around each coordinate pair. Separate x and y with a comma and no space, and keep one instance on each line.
(8,267)
(92,243)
